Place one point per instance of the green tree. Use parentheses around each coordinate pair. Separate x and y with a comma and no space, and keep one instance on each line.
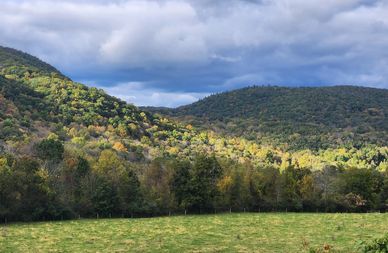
(205,175)
(362,188)
(105,199)
(130,195)
(157,186)
(50,149)
(181,183)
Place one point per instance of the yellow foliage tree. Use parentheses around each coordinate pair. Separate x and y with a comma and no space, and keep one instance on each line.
(118,146)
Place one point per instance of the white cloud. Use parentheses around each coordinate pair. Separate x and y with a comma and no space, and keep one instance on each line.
(267,41)
(137,93)
(133,33)
(155,33)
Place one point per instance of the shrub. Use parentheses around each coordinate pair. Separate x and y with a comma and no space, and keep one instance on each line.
(378,245)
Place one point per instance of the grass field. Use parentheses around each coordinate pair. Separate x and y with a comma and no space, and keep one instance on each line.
(264,232)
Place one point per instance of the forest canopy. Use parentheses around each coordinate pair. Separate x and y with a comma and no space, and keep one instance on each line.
(294,118)
(68,150)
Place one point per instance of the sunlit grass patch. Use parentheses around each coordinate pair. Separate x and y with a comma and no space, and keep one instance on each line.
(259,232)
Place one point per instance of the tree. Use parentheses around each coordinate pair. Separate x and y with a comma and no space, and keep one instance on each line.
(130,194)
(308,192)
(50,149)
(265,188)
(290,197)
(181,183)
(363,184)
(326,185)
(205,175)
(105,199)
(29,195)
(110,165)
(157,186)
(6,188)
(69,184)
(232,187)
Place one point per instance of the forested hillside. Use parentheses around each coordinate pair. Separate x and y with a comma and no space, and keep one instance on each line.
(295,118)
(68,150)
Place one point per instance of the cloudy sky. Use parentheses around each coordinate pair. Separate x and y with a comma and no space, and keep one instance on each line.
(172,52)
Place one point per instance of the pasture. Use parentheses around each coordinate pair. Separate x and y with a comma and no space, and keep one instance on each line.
(245,232)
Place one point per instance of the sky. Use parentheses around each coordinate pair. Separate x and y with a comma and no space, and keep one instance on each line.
(174,52)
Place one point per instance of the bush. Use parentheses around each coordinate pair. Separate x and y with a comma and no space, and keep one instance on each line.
(379,245)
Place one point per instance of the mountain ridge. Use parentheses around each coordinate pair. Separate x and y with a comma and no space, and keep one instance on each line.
(270,111)
(17,59)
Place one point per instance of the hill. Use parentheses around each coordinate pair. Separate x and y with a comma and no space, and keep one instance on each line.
(17,62)
(68,150)
(37,91)
(296,118)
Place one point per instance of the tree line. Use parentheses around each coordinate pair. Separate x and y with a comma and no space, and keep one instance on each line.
(293,118)
(55,182)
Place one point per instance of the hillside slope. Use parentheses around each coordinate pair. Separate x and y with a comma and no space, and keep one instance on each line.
(70,151)
(15,61)
(36,99)
(300,117)
(39,102)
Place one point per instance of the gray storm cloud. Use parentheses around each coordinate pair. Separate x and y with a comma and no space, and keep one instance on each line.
(299,42)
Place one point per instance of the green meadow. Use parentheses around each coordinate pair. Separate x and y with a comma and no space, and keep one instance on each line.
(246,232)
